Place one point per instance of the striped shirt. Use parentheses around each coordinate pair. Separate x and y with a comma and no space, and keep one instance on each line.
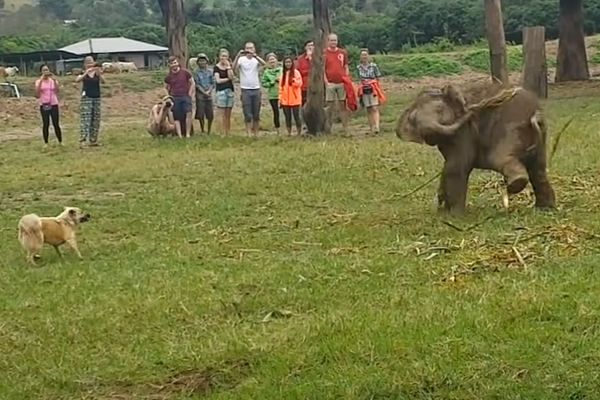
(369,71)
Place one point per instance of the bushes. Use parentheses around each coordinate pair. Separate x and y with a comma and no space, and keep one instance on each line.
(479,60)
(419,65)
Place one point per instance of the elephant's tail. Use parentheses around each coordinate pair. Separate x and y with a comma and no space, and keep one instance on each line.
(539,124)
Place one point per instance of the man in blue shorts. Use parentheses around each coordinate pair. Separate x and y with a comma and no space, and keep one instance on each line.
(180,85)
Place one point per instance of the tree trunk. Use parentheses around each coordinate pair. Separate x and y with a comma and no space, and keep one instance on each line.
(316,118)
(571,63)
(494,29)
(175,24)
(535,70)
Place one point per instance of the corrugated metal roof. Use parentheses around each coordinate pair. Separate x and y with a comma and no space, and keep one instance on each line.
(111,45)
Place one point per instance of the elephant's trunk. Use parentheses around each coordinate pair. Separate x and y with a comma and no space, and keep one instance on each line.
(434,127)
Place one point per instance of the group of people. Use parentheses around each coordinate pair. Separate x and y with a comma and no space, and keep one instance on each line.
(212,87)
(286,86)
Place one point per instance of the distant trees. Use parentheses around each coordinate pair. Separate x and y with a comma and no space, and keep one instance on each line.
(282,25)
(60,9)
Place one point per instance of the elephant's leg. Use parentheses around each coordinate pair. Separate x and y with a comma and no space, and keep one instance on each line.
(544,193)
(504,158)
(459,157)
(455,182)
(440,192)
(516,175)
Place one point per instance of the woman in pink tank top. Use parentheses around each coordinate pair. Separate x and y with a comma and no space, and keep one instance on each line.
(47,91)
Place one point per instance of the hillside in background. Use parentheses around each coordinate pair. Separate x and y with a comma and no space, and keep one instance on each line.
(280,26)
(15,5)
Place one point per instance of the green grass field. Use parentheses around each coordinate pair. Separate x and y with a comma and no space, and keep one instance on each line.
(281,268)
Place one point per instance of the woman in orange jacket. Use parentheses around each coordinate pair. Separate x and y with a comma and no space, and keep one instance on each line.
(290,95)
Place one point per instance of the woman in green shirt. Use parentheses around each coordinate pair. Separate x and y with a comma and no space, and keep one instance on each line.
(270,81)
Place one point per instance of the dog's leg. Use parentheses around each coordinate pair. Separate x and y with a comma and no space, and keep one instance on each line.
(73,244)
(58,251)
(31,258)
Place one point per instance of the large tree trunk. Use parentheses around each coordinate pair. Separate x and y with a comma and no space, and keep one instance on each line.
(175,23)
(316,118)
(535,71)
(571,63)
(494,29)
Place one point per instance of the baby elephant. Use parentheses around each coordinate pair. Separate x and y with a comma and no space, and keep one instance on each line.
(485,126)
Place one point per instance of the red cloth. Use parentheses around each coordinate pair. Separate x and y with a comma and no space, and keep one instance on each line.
(351,100)
(377,90)
(303,66)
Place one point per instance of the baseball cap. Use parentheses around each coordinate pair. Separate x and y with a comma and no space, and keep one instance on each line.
(203,56)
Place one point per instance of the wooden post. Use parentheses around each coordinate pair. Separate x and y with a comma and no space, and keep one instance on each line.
(571,61)
(535,70)
(494,29)
(175,23)
(315,117)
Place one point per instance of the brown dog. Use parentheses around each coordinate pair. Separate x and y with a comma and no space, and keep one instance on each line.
(35,231)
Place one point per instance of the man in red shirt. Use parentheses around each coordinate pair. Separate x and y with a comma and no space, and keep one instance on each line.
(336,68)
(179,84)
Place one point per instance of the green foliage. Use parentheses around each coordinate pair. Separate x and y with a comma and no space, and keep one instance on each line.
(437,45)
(382,26)
(594,58)
(480,59)
(281,26)
(418,65)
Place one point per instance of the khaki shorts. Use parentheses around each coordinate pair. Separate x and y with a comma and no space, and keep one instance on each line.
(369,100)
(335,92)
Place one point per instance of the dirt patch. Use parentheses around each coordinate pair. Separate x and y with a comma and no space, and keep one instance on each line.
(198,382)
(16,134)
(395,84)
(130,96)
(590,45)
(52,197)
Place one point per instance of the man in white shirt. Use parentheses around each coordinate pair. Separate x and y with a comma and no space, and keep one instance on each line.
(248,64)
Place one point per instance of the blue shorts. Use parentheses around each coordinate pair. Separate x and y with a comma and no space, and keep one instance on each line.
(224,98)
(181,106)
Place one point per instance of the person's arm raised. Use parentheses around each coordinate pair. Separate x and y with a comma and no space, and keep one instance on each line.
(81,76)
(237,59)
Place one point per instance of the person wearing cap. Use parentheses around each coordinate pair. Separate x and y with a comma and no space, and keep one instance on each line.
(160,121)
(205,84)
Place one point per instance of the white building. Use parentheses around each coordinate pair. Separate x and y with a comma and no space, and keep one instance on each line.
(144,55)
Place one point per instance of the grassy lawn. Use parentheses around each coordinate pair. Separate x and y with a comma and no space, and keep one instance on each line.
(231,268)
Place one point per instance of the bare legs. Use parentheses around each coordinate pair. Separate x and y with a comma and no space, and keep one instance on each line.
(373,117)
(224,120)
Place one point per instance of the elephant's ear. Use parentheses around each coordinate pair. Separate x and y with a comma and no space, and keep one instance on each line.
(406,127)
(454,97)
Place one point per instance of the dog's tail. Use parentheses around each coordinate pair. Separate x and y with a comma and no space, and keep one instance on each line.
(31,235)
